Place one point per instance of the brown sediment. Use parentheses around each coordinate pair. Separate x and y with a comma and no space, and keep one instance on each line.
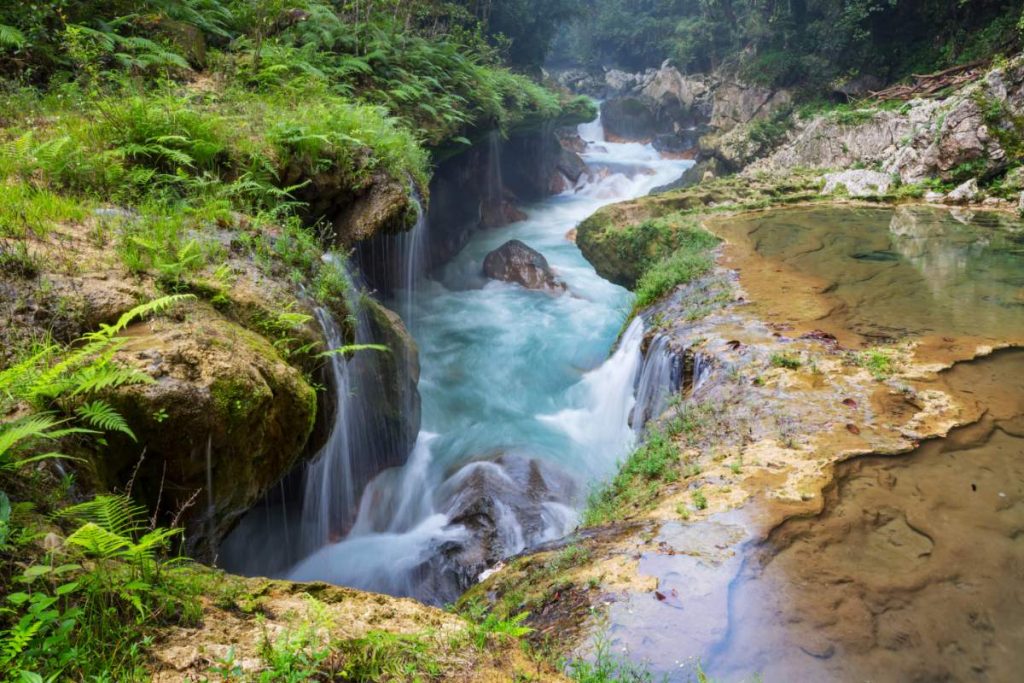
(796,273)
(913,569)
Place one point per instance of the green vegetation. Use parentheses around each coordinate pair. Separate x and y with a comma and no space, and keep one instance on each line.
(186,147)
(604,666)
(655,463)
(788,361)
(811,43)
(84,610)
(689,259)
(878,362)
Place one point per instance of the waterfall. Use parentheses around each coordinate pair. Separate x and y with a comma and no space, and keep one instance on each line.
(412,258)
(659,379)
(523,406)
(329,493)
(702,367)
(592,132)
(604,401)
(361,443)
(495,188)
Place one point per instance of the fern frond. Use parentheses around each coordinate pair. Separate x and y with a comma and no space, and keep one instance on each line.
(99,542)
(17,433)
(103,416)
(116,514)
(153,307)
(11,37)
(353,348)
(106,375)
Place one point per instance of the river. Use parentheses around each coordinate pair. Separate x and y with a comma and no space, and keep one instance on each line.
(523,409)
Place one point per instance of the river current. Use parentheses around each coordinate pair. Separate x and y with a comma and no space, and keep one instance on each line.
(517,387)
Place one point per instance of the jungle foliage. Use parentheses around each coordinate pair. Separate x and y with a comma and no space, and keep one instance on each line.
(794,42)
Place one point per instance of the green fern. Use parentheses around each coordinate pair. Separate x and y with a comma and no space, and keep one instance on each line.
(103,416)
(11,37)
(17,436)
(117,514)
(111,523)
(349,349)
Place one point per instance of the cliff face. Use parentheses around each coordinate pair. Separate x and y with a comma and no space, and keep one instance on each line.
(977,131)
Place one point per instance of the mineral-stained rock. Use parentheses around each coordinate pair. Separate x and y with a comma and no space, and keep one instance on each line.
(516,262)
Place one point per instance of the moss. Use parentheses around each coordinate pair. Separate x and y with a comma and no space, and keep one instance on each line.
(237,399)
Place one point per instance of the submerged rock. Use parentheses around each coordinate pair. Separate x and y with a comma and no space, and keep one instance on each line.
(516,262)
(506,505)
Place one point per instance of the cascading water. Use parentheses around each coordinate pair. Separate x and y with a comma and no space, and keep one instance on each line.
(522,407)
(360,444)
(659,379)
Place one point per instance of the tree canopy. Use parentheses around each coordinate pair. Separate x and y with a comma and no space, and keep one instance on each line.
(786,42)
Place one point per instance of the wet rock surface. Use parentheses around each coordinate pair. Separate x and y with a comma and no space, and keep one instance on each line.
(516,262)
(506,505)
(223,420)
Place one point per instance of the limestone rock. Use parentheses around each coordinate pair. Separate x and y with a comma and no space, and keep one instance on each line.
(858,183)
(1020,204)
(224,418)
(967,192)
(737,103)
(516,262)
(1014,179)
(923,139)
(631,118)
(620,81)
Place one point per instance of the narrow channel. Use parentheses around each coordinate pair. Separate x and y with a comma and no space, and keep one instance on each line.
(523,409)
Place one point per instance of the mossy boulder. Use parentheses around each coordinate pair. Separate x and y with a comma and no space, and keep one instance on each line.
(222,421)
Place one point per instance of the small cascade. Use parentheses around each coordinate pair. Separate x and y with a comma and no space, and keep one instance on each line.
(319,504)
(604,400)
(412,258)
(593,132)
(492,200)
(659,379)
(702,367)
(329,493)
(495,188)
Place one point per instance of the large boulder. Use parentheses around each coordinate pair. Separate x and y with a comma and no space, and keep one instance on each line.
(632,118)
(223,419)
(737,103)
(518,263)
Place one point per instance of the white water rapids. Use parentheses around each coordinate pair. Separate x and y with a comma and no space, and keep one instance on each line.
(523,409)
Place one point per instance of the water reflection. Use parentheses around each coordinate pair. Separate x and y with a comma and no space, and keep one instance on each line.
(908,271)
